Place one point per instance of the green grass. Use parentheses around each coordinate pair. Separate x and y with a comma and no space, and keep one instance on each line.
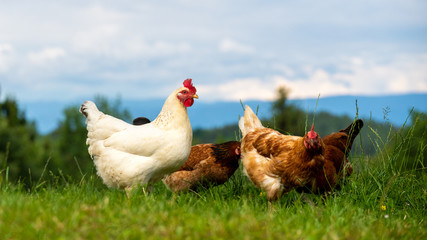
(381,200)
(89,210)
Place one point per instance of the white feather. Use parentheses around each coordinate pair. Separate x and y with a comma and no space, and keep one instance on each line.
(126,155)
(249,122)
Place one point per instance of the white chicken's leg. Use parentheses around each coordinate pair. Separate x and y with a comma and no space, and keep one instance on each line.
(128,191)
(147,189)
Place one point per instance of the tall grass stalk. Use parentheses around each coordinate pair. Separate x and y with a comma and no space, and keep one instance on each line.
(4,171)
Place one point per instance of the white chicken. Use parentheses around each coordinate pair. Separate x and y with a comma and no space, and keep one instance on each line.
(126,155)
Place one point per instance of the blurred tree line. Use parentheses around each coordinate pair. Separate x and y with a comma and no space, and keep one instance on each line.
(25,154)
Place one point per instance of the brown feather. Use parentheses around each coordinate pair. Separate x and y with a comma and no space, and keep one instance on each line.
(337,166)
(278,163)
(208,165)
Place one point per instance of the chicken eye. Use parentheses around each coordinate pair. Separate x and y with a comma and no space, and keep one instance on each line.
(184,92)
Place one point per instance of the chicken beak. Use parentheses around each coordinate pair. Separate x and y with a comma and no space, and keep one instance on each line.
(195,96)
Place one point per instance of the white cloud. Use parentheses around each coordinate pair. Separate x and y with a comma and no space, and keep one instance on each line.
(4,48)
(113,41)
(237,89)
(46,55)
(355,76)
(164,48)
(6,52)
(231,46)
(96,39)
(284,69)
(402,74)
(232,53)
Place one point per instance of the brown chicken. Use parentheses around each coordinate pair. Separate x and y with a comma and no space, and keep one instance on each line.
(337,166)
(208,165)
(275,162)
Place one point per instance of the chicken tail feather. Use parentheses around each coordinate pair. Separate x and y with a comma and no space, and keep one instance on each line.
(249,122)
(89,110)
(354,128)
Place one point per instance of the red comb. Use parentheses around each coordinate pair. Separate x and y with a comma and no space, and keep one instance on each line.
(187,83)
(312,133)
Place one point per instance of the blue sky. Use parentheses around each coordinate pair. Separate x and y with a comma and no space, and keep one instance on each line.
(66,50)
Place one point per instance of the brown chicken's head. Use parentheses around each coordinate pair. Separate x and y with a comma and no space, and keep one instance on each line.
(237,151)
(312,141)
(229,151)
(187,93)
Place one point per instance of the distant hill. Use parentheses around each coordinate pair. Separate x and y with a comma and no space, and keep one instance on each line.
(394,109)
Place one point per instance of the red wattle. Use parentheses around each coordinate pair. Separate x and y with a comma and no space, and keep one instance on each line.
(188,102)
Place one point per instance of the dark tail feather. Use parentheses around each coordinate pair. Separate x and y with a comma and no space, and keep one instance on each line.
(140,121)
(354,128)
(352,131)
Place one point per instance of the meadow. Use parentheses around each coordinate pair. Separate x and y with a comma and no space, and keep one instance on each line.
(385,198)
